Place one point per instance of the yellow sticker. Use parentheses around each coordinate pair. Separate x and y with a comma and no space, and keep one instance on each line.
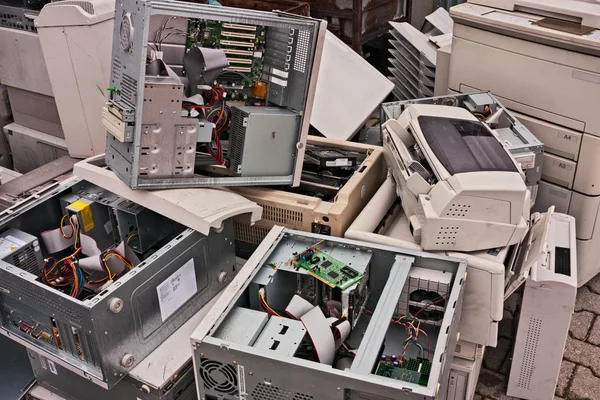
(85,210)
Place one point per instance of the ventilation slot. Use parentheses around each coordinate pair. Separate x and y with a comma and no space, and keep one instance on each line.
(86,6)
(268,392)
(289,218)
(128,89)
(302,45)
(116,69)
(34,295)
(458,211)
(237,139)
(530,353)
(219,378)
(249,233)
(26,260)
(447,236)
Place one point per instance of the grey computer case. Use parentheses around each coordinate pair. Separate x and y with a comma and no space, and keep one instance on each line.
(105,328)
(304,274)
(151,145)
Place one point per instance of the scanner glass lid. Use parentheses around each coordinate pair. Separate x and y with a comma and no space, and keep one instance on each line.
(464,146)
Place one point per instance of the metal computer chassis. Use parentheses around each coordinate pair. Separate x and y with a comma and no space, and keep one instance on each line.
(295,55)
(228,370)
(521,143)
(97,343)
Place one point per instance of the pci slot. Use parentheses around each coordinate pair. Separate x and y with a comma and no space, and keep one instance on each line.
(239,61)
(240,27)
(235,43)
(238,52)
(239,35)
(239,69)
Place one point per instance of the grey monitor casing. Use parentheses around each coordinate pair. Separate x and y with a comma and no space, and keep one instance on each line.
(298,60)
(106,337)
(263,374)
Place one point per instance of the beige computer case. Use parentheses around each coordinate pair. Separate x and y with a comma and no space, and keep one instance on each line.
(300,212)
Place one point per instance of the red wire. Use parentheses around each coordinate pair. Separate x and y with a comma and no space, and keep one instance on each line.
(428,304)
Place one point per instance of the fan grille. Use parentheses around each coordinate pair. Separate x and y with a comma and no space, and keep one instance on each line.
(218,377)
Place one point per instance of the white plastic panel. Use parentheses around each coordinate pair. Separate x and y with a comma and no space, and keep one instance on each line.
(199,209)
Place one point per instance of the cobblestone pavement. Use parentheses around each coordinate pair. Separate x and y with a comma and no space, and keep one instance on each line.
(579,378)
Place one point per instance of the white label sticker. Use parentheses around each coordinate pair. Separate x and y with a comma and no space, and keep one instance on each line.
(43,362)
(108,228)
(339,162)
(15,240)
(242,380)
(258,54)
(595,35)
(7,245)
(278,81)
(477,10)
(513,19)
(566,136)
(562,165)
(177,289)
(281,73)
(52,367)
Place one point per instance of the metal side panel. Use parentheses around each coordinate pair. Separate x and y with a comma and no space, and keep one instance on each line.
(199,209)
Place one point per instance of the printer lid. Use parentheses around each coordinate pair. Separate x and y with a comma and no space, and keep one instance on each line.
(534,248)
(464,146)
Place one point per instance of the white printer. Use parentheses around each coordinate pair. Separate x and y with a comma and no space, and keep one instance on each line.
(383,221)
(547,263)
(459,185)
(541,59)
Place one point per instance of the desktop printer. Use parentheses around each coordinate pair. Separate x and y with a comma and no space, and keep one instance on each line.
(456,180)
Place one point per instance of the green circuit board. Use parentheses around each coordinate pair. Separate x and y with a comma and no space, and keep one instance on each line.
(244,47)
(327,269)
(414,370)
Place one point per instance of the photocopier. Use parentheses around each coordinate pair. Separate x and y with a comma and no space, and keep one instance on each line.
(541,59)
(460,187)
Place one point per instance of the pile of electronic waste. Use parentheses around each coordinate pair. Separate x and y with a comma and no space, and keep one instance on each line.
(300,267)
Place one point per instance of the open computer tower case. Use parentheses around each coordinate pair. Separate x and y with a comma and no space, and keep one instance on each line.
(156,148)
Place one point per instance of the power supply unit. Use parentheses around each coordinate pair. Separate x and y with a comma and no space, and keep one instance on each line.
(328,198)
(297,349)
(98,310)
(21,250)
(262,141)
(181,74)
(166,374)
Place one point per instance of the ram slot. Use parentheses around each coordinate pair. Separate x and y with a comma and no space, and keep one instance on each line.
(239,69)
(239,61)
(238,52)
(238,35)
(240,27)
(235,43)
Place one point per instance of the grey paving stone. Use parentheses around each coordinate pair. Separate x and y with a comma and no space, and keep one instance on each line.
(581,322)
(495,356)
(594,337)
(566,370)
(505,326)
(585,385)
(594,284)
(492,386)
(587,301)
(511,303)
(477,397)
(583,353)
